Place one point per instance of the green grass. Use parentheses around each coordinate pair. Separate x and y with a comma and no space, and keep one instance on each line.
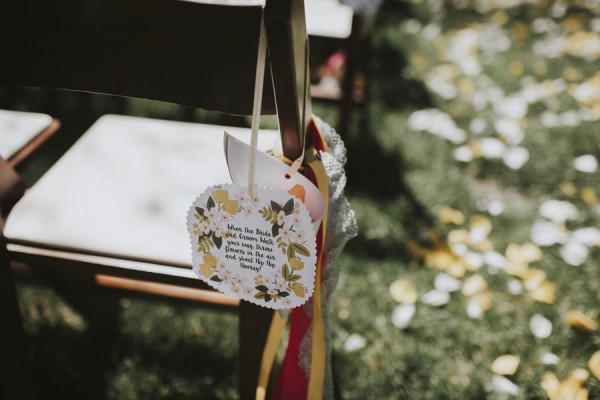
(398,180)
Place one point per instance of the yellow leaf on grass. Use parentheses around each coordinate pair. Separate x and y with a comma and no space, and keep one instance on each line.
(506,364)
(569,189)
(580,375)
(403,291)
(231,206)
(545,293)
(458,236)
(517,269)
(550,384)
(572,387)
(589,195)
(439,259)
(479,228)
(580,320)
(523,253)
(594,364)
(485,300)
(449,215)
(457,268)
(474,284)
(533,278)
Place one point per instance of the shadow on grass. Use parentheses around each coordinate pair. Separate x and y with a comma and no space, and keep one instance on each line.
(376,172)
(71,364)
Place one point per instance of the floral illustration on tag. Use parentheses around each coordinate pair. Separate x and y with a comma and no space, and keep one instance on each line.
(258,248)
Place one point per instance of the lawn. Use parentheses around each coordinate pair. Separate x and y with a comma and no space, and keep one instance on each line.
(473,173)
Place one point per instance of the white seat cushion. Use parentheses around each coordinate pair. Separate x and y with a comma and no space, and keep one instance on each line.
(19,128)
(328,18)
(125,187)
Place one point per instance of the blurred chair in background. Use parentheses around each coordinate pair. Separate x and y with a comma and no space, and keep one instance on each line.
(111,212)
(21,134)
(336,35)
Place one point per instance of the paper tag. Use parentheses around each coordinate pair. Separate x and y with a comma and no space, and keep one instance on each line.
(260,249)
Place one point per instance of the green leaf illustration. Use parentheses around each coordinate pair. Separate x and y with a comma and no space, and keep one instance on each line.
(275,230)
(260,295)
(300,249)
(215,278)
(267,298)
(261,288)
(284,294)
(218,241)
(291,253)
(276,207)
(285,271)
(293,278)
(288,208)
(210,203)
(200,211)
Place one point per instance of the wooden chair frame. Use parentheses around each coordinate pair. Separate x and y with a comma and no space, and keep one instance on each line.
(185,52)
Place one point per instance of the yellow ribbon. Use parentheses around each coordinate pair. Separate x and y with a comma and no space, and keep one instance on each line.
(317,367)
(317,363)
(268,357)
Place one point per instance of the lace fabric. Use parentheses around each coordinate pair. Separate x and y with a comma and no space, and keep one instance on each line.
(341,227)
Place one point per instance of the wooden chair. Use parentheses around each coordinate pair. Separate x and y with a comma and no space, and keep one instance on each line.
(146,173)
(21,134)
(335,27)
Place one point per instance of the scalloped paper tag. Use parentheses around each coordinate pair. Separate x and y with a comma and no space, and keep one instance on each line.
(260,249)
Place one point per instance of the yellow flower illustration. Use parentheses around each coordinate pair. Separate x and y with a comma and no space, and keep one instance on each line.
(298,289)
(209,262)
(296,264)
(231,207)
(220,195)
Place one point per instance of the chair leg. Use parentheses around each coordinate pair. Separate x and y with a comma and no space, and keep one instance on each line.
(254,328)
(15,376)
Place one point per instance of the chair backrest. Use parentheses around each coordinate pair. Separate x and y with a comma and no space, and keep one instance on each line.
(200,53)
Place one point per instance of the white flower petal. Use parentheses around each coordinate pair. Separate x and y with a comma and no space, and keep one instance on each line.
(549,359)
(491,148)
(496,207)
(504,385)
(446,283)
(574,253)
(516,157)
(540,326)
(403,314)
(511,107)
(435,298)
(475,260)
(474,310)
(549,119)
(586,236)
(546,233)
(586,163)
(463,154)
(354,342)
(510,130)
(477,126)
(495,259)
(558,211)
(515,287)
